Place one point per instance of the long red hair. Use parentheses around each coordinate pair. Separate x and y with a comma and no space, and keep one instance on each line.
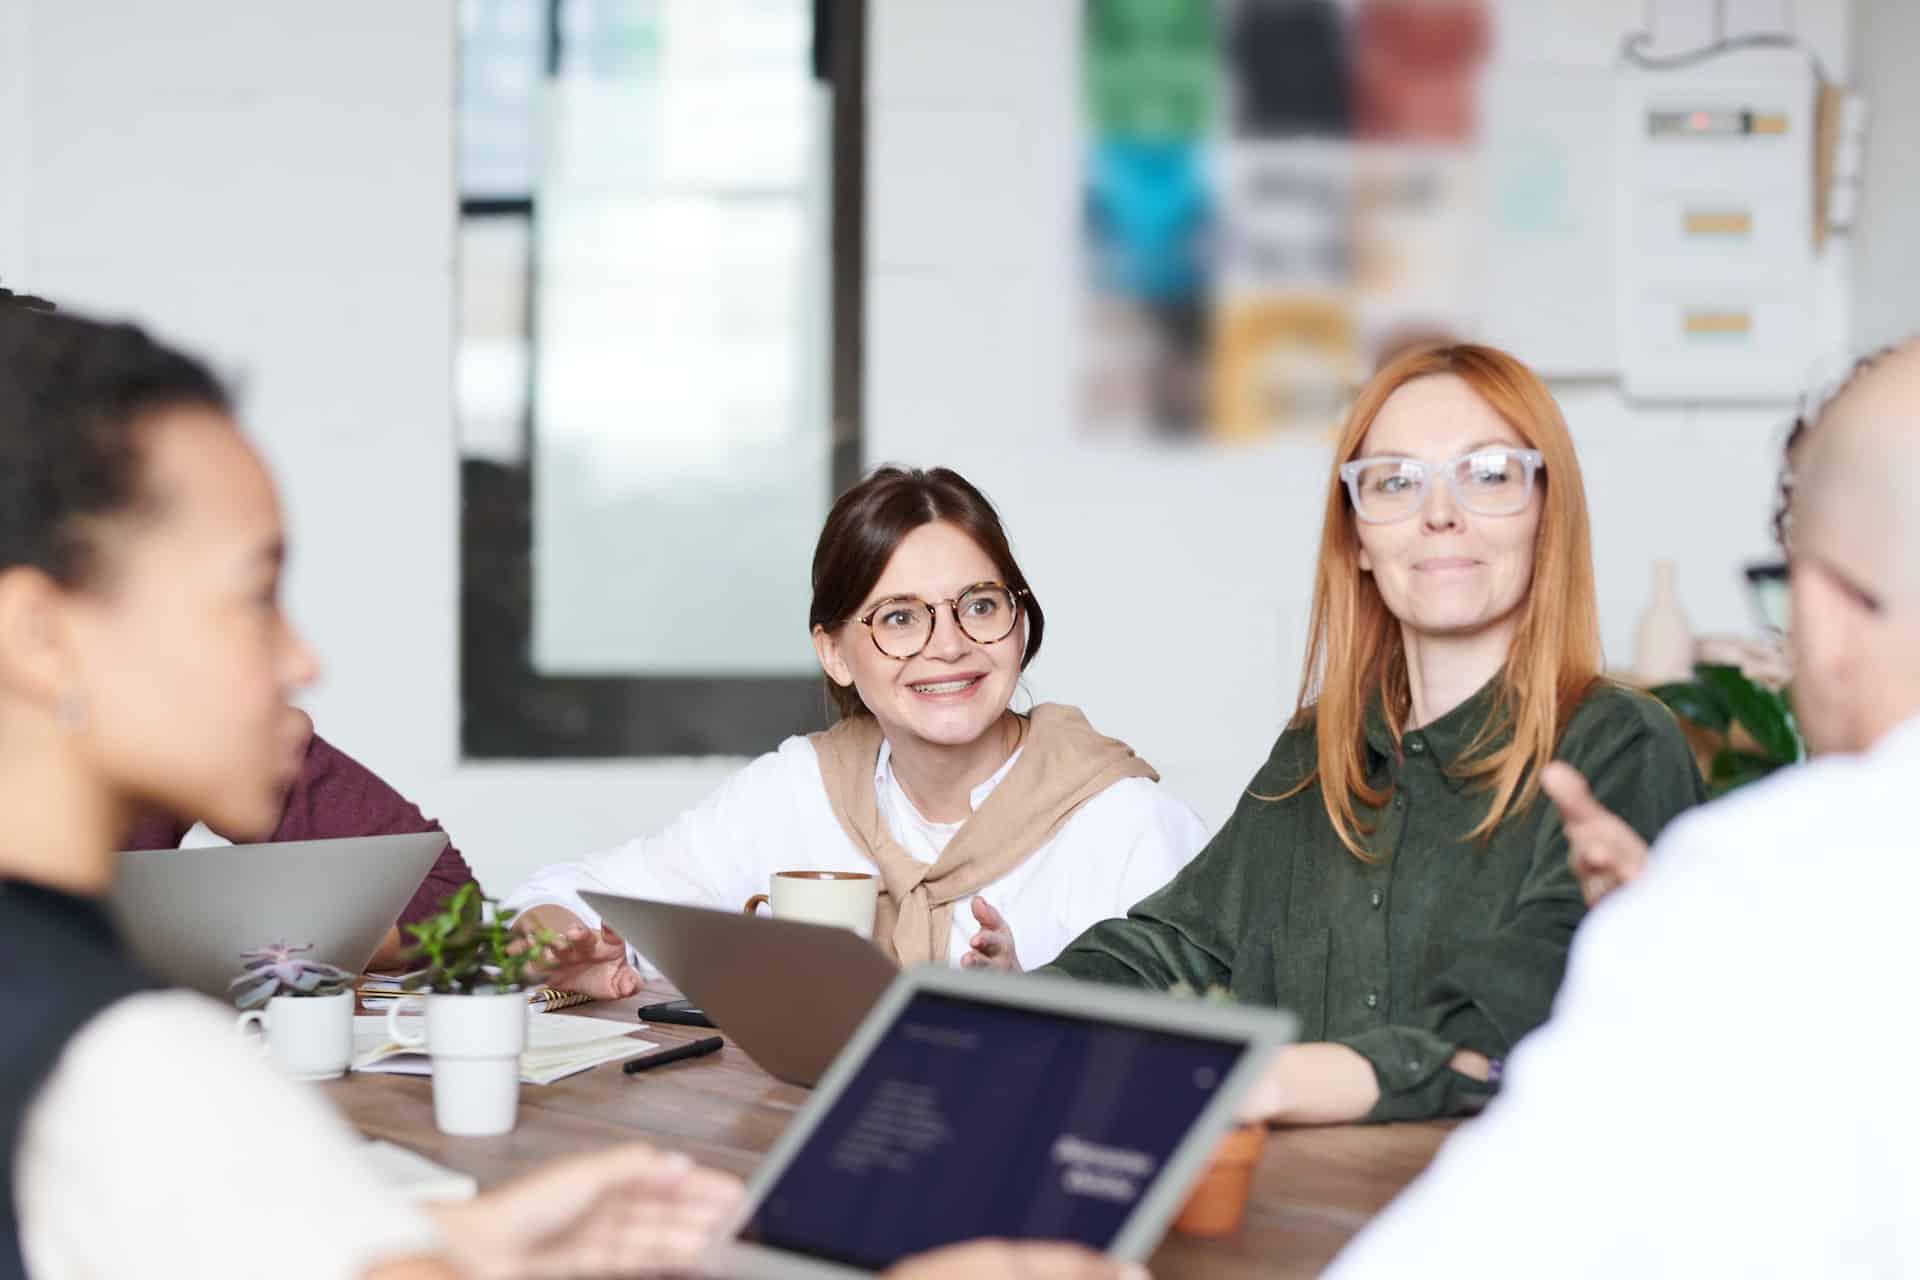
(1356,656)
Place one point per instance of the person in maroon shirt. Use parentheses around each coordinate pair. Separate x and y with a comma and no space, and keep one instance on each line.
(336,795)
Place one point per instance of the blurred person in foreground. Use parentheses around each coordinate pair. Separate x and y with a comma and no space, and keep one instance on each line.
(1725,1086)
(332,795)
(1606,853)
(145,663)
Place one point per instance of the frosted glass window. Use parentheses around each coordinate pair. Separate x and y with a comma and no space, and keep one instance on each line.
(681,453)
(656,364)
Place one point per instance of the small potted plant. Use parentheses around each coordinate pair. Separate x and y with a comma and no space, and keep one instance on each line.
(1218,1200)
(305,1007)
(1748,729)
(475,973)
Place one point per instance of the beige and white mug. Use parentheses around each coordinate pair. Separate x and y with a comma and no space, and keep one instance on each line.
(843,898)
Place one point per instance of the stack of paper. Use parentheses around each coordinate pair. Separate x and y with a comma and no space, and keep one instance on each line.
(412,1177)
(558,1045)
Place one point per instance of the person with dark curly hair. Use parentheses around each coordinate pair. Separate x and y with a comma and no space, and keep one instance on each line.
(332,796)
(146,663)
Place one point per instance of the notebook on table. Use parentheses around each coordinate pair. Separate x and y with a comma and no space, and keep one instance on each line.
(972,1105)
(408,1175)
(558,1045)
(378,990)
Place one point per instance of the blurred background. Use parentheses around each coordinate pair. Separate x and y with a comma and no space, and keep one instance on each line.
(563,320)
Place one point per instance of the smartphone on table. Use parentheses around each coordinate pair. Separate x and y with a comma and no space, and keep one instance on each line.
(680,1012)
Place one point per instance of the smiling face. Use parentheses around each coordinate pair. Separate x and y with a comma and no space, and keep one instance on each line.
(955,689)
(1446,571)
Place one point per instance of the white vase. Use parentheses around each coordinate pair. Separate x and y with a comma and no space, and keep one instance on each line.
(306,1037)
(1663,641)
(475,1042)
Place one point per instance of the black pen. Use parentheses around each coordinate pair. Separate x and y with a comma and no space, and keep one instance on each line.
(662,1058)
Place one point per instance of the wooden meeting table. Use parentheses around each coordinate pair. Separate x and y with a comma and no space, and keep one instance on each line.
(1314,1188)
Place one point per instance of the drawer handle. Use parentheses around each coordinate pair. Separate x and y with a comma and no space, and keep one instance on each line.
(1717,222)
(1717,324)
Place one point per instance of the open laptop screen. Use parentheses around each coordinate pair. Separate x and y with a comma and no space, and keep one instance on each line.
(971,1119)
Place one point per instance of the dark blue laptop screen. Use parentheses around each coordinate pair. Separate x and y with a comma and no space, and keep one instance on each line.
(970,1119)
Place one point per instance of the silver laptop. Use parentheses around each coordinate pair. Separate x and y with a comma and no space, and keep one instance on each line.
(790,994)
(187,914)
(1020,1107)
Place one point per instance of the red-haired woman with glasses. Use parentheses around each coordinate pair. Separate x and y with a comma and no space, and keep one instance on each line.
(977,820)
(1392,873)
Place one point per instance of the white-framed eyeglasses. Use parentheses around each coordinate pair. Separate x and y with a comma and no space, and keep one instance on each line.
(1494,481)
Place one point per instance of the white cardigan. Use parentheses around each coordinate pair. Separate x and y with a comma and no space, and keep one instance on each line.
(774,815)
(162,1146)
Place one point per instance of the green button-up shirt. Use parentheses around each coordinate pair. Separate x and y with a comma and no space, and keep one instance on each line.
(1442,942)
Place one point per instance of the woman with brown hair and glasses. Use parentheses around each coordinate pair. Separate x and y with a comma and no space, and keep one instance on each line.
(922,621)
(1392,873)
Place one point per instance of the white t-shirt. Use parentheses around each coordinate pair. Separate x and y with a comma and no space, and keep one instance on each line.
(160,1145)
(1727,1084)
(774,815)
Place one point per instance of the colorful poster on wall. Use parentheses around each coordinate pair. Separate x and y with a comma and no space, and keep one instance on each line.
(1277,193)
(1151,80)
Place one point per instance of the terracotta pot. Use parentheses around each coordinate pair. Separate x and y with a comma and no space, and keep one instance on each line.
(1219,1199)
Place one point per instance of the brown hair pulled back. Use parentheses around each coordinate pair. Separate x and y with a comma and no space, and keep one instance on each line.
(868,524)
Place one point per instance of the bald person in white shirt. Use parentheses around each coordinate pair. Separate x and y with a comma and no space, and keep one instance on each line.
(1602,850)
(1726,1084)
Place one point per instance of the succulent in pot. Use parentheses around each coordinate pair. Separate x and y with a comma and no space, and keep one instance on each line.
(303,1007)
(281,970)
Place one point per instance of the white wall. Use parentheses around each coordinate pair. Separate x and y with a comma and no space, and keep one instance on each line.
(971,323)
(1886,305)
(272,184)
(14,100)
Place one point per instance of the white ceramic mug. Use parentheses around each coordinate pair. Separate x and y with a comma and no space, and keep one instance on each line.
(475,1042)
(307,1037)
(843,898)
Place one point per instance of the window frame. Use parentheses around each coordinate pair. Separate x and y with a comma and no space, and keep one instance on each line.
(508,710)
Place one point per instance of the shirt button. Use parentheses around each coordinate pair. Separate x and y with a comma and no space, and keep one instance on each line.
(1376,898)
(1416,745)
(1373,1000)
(1399,802)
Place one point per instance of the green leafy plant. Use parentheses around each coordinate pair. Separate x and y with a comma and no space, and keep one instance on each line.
(1755,724)
(469,945)
(278,970)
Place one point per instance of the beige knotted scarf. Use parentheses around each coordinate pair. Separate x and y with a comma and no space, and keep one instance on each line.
(1063,764)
